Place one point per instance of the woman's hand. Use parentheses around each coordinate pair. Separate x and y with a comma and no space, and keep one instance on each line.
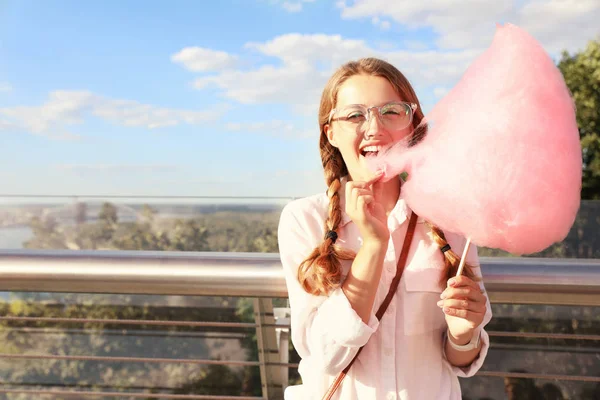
(366,212)
(464,305)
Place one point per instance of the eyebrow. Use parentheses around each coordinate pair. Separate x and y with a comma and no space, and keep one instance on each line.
(364,105)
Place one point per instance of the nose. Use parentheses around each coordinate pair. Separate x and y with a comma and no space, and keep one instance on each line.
(373,125)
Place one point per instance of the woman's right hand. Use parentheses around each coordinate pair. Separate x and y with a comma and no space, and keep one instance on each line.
(368,214)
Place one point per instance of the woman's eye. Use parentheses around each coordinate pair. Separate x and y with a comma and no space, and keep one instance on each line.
(357,116)
(392,111)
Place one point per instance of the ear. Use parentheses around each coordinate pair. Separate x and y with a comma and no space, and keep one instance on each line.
(330,136)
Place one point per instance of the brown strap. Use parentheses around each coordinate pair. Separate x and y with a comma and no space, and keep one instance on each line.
(386,302)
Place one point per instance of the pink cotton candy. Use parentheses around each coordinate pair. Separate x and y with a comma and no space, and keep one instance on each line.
(501,162)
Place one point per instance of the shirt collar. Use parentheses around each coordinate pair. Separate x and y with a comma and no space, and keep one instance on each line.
(397,216)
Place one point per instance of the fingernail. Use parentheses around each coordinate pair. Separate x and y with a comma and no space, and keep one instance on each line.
(452,282)
(443,295)
(440,303)
(447,310)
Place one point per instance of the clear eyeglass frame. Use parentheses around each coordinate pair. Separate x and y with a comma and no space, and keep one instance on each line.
(368,113)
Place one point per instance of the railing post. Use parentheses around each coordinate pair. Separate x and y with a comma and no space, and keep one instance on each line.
(282,320)
(268,352)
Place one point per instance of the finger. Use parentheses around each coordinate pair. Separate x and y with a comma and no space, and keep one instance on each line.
(375,178)
(469,315)
(360,185)
(356,194)
(462,305)
(465,292)
(463,280)
(362,202)
(366,184)
(350,197)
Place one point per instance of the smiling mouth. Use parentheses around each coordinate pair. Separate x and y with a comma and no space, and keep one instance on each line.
(369,153)
(372,151)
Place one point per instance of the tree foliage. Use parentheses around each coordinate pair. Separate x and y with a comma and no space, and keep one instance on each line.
(582,75)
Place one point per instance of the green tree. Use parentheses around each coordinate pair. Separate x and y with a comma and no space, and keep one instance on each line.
(148,213)
(80,213)
(582,75)
(189,235)
(47,234)
(108,214)
(134,236)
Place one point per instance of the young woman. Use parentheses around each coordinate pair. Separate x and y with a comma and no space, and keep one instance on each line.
(340,252)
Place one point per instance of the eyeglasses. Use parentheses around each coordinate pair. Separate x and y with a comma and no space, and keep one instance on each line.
(394,116)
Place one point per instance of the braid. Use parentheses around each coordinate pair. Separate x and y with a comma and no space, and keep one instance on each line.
(451,259)
(332,178)
(321,272)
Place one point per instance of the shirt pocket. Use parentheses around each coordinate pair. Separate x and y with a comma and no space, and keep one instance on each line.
(422,291)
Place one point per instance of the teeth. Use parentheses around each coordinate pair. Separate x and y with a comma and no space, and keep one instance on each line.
(372,148)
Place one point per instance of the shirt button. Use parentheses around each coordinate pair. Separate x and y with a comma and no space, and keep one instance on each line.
(391,396)
(388,351)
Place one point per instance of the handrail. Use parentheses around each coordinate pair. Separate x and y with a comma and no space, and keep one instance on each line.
(507,280)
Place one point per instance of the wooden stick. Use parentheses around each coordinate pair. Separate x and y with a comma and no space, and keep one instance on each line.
(461,266)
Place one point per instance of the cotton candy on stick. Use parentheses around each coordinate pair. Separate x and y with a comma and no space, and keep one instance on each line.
(501,161)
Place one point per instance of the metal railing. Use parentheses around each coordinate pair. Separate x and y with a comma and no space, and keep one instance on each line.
(507,280)
(260,276)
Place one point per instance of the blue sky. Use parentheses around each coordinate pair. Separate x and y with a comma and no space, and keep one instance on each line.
(213,98)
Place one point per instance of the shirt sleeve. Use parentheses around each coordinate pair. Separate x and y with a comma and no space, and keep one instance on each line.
(471,369)
(325,330)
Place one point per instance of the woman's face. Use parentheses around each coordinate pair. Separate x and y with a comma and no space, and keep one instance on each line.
(354,145)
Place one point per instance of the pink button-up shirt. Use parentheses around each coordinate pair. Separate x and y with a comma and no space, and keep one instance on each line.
(403,356)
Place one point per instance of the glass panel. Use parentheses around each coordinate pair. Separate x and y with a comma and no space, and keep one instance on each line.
(552,356)
(180,224)
(195,224)
(151,346)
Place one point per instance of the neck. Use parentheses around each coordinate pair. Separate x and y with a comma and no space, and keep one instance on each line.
(387,193)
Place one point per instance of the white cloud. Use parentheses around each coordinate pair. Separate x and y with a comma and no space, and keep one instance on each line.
(297,48)
(415,45)
(441,15)
(5,87)
(276,128)
(562,24)
(6,125)
(292,6)
(198,59)
(305,62)
(383,25)
(268,84)
(558,24)
(68,108)
(296,66)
